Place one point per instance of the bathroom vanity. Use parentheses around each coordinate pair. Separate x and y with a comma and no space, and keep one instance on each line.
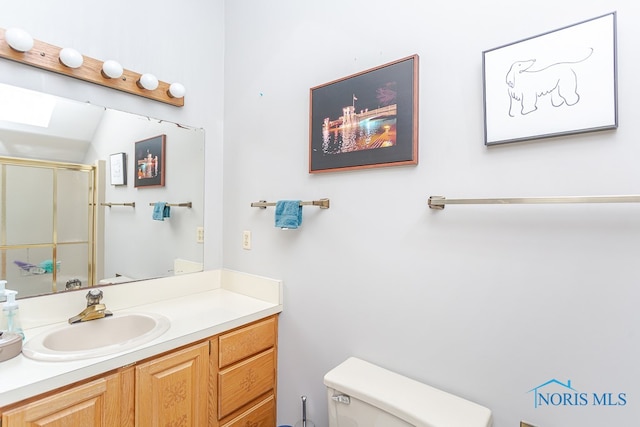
(216,365)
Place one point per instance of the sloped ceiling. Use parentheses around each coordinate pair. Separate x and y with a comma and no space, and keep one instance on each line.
(67,136)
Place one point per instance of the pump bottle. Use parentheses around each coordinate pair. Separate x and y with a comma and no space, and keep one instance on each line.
(10,314)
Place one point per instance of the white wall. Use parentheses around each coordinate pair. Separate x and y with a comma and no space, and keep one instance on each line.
(137,246)
(182,43)
(486,302)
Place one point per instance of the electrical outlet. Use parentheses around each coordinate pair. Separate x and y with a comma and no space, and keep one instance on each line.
(246,239)
(199,234)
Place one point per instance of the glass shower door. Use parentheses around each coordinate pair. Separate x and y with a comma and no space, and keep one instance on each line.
(46,225)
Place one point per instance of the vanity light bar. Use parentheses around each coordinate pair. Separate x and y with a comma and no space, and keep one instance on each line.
(45,56)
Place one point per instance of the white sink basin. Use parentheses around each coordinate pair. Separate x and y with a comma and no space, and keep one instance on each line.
(96,338)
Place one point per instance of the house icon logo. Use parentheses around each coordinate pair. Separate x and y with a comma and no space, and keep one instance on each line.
(561,393)
(555,393)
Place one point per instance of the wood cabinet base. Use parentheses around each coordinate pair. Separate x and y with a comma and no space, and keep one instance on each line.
(228,380)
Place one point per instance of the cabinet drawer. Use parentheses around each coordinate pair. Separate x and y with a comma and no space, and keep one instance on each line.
(261,415)
(247,341)
(245,381)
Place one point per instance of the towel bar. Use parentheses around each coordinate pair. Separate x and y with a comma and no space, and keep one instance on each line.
(132,204)
(322,204)
(179,205)
(438,202)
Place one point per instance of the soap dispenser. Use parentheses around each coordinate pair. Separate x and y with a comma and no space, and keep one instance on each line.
(10,318)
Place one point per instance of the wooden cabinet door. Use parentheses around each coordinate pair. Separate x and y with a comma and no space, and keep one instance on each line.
(97,403)
(171,391)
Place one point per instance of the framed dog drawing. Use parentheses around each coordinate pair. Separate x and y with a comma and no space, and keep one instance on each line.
(557,83)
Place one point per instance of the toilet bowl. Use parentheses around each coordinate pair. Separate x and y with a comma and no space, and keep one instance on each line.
(183,266)
(117,279)
(361,394)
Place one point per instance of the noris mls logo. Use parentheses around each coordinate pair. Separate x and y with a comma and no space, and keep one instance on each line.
(556,393)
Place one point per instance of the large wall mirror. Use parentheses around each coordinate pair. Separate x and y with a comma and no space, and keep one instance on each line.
(79,199)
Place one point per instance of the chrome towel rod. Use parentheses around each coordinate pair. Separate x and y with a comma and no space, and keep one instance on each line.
(438,202)
(132,204)
(322,204)
(179,205)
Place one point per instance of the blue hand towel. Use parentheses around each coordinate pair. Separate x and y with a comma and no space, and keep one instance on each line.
(288,214)
(161,211)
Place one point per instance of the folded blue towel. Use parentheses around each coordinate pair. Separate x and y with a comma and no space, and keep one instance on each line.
(288,214)
(158,211)
(161,211)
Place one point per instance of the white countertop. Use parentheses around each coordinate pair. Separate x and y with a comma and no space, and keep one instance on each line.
(217,301)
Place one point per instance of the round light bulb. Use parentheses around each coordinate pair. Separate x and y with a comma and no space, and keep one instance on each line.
(71,58)
(176,90)
(148,82)
(19,39)
(112,69)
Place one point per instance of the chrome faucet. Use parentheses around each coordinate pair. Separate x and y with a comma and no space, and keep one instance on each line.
(73,284)
(94,310)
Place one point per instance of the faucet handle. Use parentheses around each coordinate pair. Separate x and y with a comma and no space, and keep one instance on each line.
(93,297)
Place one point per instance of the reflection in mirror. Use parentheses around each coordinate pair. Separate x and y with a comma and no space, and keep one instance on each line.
(46,215)
(63,224)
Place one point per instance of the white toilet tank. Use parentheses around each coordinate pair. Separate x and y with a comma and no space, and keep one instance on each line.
(365,395)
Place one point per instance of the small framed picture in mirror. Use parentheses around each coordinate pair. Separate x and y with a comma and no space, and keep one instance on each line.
(150,161)
(118,169)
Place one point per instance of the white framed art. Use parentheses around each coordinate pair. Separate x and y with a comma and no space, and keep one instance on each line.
(557,83)
(118,168)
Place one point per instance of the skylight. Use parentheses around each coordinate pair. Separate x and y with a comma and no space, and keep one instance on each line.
(25,107)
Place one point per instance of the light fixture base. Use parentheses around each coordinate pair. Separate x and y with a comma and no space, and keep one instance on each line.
(45,56)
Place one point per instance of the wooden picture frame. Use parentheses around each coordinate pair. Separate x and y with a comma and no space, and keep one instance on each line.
(150,162)
(366,120)
(118,168)
(558,83)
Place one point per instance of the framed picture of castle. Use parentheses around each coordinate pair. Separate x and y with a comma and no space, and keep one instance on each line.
(149,162)
(366,120)
(558,83)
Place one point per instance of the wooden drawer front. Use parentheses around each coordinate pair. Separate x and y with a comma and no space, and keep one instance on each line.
(245,381)
(246,342)
(261,415)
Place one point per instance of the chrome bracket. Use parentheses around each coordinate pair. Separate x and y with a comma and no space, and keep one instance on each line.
(433,202)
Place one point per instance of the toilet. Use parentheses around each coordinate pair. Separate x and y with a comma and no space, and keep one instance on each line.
(114,280)
(361,394)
